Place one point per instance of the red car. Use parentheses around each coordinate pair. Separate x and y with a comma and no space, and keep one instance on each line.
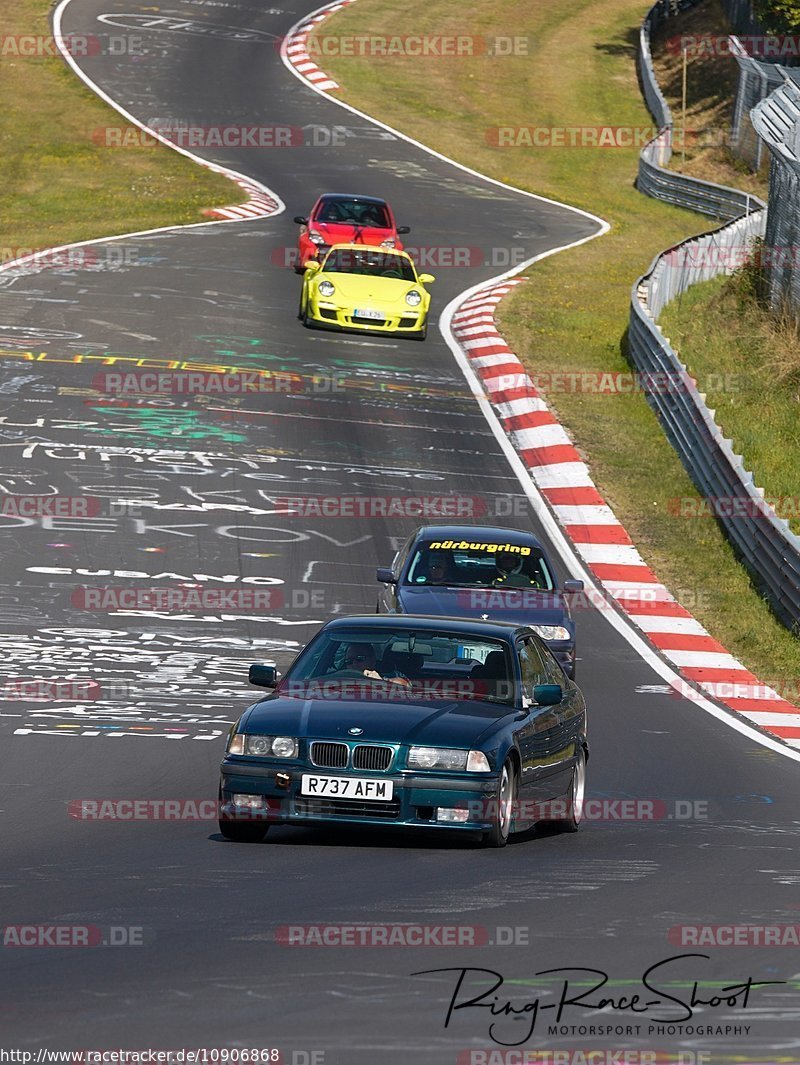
(341,218)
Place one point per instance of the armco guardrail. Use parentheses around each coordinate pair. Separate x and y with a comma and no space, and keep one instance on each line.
(718,201)
(764,542)
(655,179)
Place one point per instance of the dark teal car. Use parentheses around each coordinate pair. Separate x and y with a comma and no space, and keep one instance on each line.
(423,722)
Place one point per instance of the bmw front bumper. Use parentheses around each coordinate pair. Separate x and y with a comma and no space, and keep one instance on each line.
(415,802)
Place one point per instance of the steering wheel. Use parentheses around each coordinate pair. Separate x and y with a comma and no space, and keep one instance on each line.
(392,273)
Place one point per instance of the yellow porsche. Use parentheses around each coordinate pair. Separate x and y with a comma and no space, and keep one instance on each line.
(367,290)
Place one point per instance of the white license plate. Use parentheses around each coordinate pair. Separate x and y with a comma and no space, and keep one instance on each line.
(367,313)
(346,787)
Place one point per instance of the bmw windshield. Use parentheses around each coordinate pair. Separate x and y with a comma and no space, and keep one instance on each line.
(401,664)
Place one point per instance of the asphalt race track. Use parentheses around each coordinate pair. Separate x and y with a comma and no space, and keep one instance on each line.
(200,477)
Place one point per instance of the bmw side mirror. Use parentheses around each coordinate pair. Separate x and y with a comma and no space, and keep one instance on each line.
(263,676)
(547,694)
(573,586)
(300,220)
(404,229)
(385,576)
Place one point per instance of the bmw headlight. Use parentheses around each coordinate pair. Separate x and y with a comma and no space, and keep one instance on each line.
(552,632)
(325,288)
(284,747)
(263,746)
(436,758)
(316,238)
(413,298)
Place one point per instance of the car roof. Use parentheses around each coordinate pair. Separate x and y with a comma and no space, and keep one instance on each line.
(429,623)
(352,196)
(478,533)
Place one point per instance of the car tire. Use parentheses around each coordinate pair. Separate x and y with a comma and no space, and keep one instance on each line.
(502,815)
(240,831)
(301,310)
(577,793)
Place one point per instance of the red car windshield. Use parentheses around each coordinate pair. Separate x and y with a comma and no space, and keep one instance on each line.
(369,263)
(354,213)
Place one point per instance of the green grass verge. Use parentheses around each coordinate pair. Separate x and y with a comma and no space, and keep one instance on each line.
(58,185)
(720,328)
(580,71)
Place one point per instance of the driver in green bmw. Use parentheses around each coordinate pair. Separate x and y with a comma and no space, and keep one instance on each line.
(361,657)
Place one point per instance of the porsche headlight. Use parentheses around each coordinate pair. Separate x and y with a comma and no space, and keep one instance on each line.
(388,243)
(552,632)
(316,238)
(263,746)
(436,758)
(325,288)
(413,298)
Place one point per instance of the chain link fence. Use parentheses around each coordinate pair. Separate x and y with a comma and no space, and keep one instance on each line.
(740,15)
(655,178)
(777,121)
(757,79)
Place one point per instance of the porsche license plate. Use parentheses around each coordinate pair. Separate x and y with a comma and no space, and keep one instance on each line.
(346,787)
(366,313)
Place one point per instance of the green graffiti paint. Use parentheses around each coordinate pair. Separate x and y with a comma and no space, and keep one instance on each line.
(183,424)
(242,348)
